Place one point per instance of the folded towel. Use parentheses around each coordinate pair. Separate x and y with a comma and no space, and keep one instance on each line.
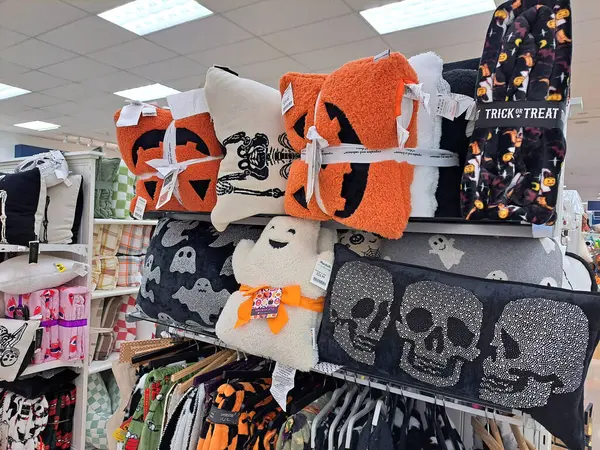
(105,272)
(513,173)
(359,104)
(298,119)
(73,322)
(130,270)
(253,174)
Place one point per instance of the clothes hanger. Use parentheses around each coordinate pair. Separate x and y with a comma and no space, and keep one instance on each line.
(521,441)
(368,407)
(162,351)
(197,366)
(324,412)
(380,407)
(224,358)
(484,435)
(190,355)
(350,395)
(315,393)
(437,427)
(358,402)
(495,431)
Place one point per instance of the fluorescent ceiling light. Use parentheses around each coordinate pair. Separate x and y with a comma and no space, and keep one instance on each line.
(38,125)
(7,91)
(147,16)
(145,93)
(417,13)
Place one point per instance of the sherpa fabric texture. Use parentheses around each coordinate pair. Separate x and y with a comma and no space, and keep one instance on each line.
(428,67)
(514,173)
(359,104)
(535,261)
(454,139)
(106,174)
(187,275)
(195,139)
(512,344)
(247,119)
(285,255)
(298,119)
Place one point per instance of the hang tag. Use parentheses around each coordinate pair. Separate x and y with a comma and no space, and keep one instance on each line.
(447,107)
(465,104)
(416,92)
(188,103)
(313,338)
(34,251)
(282,382)
(223,417)
(167,189)
(287,99)
(321,274)
(149,111)
(140,207)
(266,303)
(403,133)
(130,115)
(60,267)
(68,182)
(384,54)
(80,269)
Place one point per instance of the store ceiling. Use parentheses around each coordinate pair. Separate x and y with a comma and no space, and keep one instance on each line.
(73,61)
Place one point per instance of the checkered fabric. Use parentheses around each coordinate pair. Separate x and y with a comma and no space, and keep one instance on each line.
(107,239)
(125,331)
(105,345)
(123,192)
(130,270)
(99,410)
(105,272)
(134,240)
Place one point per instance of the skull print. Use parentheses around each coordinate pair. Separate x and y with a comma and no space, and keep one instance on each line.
(440,326)
(360,308)
(540,348)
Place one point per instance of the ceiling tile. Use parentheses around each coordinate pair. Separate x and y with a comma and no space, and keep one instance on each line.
(9,70)
(267,69)
(340,54)
(66,108)
(361,5)
(73,91)
(199,35)
(326,33)
(117,81)
(132,54)
(225,5)
(78,69)
(37,81)
(187,83)
(170,69)
(10,108)
(34,100)
(8,38)
(33,114)
(275,15)
(33,17)
(97,6)
(460,52)
(238,54)
(35,54)
(88,35)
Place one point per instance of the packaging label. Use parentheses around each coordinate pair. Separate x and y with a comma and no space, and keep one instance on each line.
(384,54)
(149,111)
(140,207)
(521,114)
(34,251)
(282,383)
(80,269)
(266,303)
(321,274)
(60,267)
(222,417)
(287,99)
(187,104)
(167,188)
(130,115)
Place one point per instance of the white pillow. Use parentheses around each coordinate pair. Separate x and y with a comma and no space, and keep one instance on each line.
(17,276)
(53,166)
(63,213)
(253,174)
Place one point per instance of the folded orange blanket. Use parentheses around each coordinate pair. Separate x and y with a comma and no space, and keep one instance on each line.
(298,119)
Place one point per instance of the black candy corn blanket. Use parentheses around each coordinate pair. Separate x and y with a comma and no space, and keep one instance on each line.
(512,173)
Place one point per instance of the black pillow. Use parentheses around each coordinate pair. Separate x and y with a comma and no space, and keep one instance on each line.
(188,275)
(22,198)
(515,345)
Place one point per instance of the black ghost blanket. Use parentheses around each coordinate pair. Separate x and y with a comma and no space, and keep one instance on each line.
(515,345)
(187,275)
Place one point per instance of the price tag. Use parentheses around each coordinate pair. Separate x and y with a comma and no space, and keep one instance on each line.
(167,189)
(130,115)
(266,303)
(287,99)
(80,269)
(321,274)
(149,111)
(34,251)
(140,207)
(282,383)
(447,107)
(60,267)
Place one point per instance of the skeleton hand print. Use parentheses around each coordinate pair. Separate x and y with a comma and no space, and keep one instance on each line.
(440,326)
(540,349)
(360,308)
(149,274)
(443,247)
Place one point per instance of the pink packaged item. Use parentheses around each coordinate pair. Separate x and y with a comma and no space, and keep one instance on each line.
(72,322)
(43,304)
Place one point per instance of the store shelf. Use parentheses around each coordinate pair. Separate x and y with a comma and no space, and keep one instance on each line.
(101,366)
(37,368)
(105,293)
(79,249)
(125,221)
(416,225)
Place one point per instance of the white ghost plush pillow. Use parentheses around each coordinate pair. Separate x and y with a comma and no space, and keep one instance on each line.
(277,310)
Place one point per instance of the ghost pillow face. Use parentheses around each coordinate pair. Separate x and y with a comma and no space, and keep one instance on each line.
(187,275)
(514,345)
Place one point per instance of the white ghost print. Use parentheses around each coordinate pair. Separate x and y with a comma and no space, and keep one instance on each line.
(497,275)
(444,248)
(548,244)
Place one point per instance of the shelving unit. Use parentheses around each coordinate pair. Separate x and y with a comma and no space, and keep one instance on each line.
(106,293)
(37,368)
(125,221)
(101,366)
(77,249)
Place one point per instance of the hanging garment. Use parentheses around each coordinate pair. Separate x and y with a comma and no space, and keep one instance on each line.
(295,431)
(26,419)
(513,173)
(58,434)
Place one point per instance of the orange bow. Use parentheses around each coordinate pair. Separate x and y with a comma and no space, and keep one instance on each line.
(290,296)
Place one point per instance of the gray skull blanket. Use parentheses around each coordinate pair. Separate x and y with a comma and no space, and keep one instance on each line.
(514,345)
(187,275)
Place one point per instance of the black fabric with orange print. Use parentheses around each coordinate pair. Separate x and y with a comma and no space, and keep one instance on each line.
(513,173)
